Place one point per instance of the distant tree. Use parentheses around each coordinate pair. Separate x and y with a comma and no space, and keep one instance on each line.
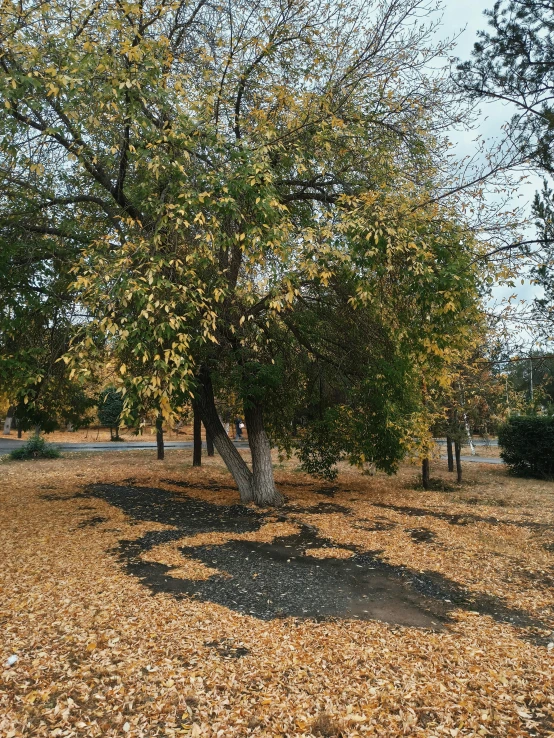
(543,269)
(514,62)
(37,320)
(530,383)
(110,407)
(57,404)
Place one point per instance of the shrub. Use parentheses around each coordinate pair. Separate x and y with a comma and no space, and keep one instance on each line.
(527,444)
(35,448)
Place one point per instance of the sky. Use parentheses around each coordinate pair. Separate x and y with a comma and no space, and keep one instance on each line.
(465,17)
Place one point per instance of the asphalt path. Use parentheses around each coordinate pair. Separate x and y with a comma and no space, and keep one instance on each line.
(8,444)
(476,442)
(482,459)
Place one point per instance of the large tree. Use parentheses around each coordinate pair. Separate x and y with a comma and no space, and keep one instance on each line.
(218,168)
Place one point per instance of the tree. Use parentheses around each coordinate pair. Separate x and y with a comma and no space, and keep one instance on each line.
(530,383)
(110,408)
(218,168)
(160,448)
(514,63)
(197,439)
(543,268)
(37,315)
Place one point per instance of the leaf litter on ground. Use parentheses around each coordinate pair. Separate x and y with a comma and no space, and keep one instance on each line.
(99,655)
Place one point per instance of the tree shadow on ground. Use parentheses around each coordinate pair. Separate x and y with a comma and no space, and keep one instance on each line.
(282,578)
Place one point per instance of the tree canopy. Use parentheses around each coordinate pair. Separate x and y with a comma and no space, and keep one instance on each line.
(244,192)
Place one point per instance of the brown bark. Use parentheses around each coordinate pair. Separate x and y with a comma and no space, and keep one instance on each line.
(457,449)
(449,454)
(425,473)
(263,488)
(160,438)
(225,447)
(197,439)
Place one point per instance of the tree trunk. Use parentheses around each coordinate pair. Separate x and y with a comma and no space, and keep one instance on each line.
(263,488)
(425,473)
(468,434)
(197,439)
(458,461)
(209,444)
(8,423)
(160,438)
(449,454)
(225,447)
(466,421)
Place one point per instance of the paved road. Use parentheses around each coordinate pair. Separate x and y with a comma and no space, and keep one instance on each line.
(476,442)
(482,459)
(7,444)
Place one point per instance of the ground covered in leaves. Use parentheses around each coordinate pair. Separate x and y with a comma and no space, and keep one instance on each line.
(141,600)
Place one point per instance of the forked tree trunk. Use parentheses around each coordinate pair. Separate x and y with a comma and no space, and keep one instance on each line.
(225,447)
(449,454)
(425,473)
(160,438)
(263,487)
(457,449)
(209,444)
(197,439)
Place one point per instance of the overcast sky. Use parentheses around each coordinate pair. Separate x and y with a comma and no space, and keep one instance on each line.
(465,17)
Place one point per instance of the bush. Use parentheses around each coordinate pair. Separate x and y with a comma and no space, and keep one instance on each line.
(35,448)
(527,444)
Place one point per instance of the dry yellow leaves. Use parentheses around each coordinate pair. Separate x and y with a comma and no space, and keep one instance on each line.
(98,655)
